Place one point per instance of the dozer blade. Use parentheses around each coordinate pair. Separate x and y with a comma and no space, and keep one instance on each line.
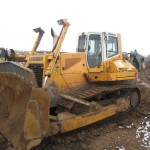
(14,96)
(24,108)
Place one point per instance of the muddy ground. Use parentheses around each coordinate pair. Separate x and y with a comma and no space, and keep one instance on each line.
(127,131)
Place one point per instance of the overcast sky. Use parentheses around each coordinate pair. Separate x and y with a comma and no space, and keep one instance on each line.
(131,18)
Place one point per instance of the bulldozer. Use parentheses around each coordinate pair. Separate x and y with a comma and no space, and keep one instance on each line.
(58,92)
(135,59)
(10,55)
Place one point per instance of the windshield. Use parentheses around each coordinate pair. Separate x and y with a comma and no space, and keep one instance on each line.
(81,43)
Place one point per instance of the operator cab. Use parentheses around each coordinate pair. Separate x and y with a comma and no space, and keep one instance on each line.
(98,47)
(2,53)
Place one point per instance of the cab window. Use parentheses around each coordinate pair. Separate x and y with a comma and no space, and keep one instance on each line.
(81,43)
(94,50)
(112,46)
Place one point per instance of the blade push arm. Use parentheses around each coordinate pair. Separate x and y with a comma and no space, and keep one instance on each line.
(57,46)
(37,42)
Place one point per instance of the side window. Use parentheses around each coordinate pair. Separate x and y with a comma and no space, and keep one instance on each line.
(94,45)
(112,46)
(81,43)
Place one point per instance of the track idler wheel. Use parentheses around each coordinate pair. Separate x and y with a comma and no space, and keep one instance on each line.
(134,98)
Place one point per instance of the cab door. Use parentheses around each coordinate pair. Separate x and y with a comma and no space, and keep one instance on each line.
(113,50)
(94,50)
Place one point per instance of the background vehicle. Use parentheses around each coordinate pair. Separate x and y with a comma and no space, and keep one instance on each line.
(10,55)
(136,59)
(59,92)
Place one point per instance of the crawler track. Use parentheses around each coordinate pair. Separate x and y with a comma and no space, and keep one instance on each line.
(96,90)
(102,95)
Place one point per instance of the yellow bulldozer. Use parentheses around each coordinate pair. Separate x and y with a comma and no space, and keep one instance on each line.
(10,55)
(58,92)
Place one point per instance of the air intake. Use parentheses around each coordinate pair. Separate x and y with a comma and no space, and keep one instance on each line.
(38,71)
